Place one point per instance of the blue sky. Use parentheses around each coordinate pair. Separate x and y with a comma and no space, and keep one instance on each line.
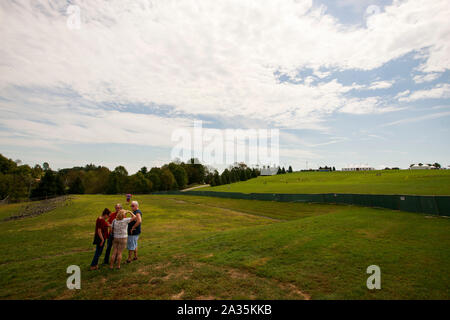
(346,82)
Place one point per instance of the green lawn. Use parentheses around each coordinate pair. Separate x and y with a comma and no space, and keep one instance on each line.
(211,248)
(414,182)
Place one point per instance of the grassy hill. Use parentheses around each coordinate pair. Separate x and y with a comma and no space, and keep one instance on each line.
(206,248)
(414,182)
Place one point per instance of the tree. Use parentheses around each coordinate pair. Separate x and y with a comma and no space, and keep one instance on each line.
(51,184)
(139,184)
(249,172)
(179,173)
(6,165)
(217,180)
(16,180)
(77,187)
(279,170)
(155,177)
(290,169)
(144,170)
(4,186)
(90,167)
(209,179)
(112,186)
(96,181)
(120,170)
(195,171)
(37,172)
(225,177)
(234,175)
(46,166)
(283,171)
(437,165)
(242,174)
(14,186)
(168,181)
(122,178)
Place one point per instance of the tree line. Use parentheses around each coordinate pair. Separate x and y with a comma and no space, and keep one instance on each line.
(237,172)
(283,170)
(19,181)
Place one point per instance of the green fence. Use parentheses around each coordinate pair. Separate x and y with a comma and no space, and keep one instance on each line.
(437,205)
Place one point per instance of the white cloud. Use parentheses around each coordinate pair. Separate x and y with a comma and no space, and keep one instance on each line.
(322,74)
(213,58)
(440,107)
(426,77)
(419,118)
(402,94)
(380,85)
(440,91)
(51,123)
(366,106)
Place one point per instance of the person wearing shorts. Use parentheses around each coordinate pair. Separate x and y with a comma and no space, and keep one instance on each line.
(109,244)
(120,231)
(134,230)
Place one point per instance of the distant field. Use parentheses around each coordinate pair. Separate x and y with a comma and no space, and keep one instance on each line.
(413,182)
(212,248)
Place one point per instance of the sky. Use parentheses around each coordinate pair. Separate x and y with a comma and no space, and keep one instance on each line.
(346,82)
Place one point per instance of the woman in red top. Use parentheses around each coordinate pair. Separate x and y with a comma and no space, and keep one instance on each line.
(101,234)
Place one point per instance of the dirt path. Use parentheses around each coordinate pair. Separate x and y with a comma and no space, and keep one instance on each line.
(197,187)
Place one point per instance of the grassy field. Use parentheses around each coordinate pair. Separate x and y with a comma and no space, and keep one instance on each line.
(208,248)
(415,182)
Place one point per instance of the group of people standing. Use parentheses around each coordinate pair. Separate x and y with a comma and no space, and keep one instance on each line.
(117,231)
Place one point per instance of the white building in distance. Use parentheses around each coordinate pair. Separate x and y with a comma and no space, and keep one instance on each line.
(269,171)
(422,167)
(360,168)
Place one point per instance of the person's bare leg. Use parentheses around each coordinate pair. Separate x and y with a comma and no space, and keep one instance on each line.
(135,254)
(130,252)
(119,259)
(113,258)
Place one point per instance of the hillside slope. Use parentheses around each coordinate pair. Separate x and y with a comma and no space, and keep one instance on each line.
(208,248)
(414,182)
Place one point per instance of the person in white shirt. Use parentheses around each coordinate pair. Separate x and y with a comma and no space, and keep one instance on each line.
(120,231)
